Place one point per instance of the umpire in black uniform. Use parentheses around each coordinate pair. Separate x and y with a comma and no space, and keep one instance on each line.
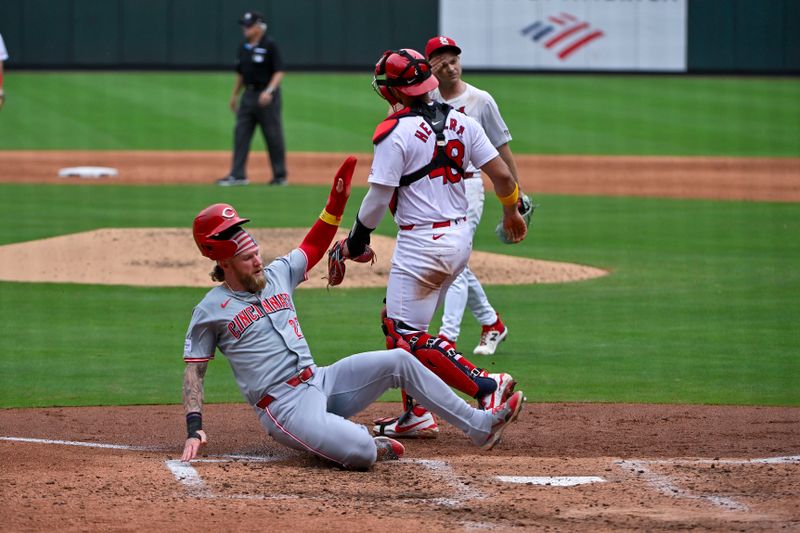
(259,70)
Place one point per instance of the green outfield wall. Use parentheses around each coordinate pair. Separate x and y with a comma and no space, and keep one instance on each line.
(205,33)
(744,35)
(747,36)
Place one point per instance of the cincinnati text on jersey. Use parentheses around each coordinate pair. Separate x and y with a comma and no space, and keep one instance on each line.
(253,313)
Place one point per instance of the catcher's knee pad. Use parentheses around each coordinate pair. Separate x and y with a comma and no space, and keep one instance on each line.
(394,339)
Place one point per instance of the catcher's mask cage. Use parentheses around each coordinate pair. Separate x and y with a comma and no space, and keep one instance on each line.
(213,228)
(406,70)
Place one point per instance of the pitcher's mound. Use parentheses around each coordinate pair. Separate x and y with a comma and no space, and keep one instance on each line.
(167,257)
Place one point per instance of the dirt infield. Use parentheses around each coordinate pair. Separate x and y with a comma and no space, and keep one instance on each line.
(775,179)
(660,468)
(168,257)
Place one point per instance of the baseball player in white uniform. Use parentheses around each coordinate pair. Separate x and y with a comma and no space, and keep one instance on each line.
(421,153)
(444,55)
(251,318)
(3,58)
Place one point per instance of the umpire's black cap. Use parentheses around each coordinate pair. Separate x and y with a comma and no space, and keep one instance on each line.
(251,18)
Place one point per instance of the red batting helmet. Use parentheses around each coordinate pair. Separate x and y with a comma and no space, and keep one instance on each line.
(404,70)
(209,224)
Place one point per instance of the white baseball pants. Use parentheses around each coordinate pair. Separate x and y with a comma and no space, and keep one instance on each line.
(466,290)
(425,262)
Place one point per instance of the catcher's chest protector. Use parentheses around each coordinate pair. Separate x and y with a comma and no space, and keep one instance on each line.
(435,116)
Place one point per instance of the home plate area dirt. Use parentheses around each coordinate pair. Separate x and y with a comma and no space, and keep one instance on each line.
(643,468)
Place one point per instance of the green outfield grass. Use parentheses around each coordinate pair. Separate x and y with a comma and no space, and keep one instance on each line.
(337,112)
(702,305)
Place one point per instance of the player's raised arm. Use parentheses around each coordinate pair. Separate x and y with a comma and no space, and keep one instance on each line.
(321,234)
(193,378)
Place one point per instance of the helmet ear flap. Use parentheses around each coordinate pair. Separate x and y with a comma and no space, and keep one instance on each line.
(218,250)
(379,81)
(385,93)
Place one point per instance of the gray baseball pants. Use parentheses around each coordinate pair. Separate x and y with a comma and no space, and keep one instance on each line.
(313,416)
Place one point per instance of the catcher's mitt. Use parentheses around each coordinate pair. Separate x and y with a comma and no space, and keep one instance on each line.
(336,266)
(525,207)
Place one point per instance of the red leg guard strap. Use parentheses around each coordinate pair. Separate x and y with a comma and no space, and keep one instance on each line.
(435,353)
(440,357)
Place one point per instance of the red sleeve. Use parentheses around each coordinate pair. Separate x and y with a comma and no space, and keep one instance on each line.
(316,242)
(321,234)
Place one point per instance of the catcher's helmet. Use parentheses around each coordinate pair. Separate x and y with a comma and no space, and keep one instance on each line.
(404,70)
(209,228)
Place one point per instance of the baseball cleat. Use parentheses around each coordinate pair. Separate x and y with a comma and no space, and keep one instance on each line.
(418,423)
(491,336)
(504,415)
(388,449)
(505,387)
(232,181)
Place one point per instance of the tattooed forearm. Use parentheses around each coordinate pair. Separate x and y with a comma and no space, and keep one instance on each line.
(193,387)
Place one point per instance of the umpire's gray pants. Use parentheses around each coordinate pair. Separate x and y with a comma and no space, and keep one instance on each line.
(269,119)
(313,416)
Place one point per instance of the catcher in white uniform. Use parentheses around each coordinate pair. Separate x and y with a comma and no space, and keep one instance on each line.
(444,56)
(421,153)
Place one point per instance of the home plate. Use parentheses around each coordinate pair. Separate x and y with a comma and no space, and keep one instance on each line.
(87,172)
(553,481)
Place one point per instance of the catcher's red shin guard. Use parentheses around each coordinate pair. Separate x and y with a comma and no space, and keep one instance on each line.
(439,356)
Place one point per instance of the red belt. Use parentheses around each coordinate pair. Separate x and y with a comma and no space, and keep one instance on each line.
(468,175)
(435,225)
(302,377)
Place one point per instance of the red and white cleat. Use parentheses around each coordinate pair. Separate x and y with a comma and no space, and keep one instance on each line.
(388,449)
(505,387)
(504,415)
(491,336)
(418,423)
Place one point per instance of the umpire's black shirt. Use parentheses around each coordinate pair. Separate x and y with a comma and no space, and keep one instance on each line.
(257,63)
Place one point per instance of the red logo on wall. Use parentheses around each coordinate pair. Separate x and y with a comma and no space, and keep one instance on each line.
(564,34)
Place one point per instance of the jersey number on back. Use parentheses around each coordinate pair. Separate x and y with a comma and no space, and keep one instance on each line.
(454,149)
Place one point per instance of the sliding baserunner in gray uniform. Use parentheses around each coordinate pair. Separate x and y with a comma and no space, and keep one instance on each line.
(252,319)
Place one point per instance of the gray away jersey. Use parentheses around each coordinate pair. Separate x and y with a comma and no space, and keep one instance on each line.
(258,333)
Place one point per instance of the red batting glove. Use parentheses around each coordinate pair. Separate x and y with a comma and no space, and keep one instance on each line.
(340,191)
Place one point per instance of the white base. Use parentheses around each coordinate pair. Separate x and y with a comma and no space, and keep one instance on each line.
(87,172)
(553,481)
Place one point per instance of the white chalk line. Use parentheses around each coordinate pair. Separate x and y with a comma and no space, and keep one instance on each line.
(665,485)
(107,446)
(463,491)
(788,459)
(190,478)
(86,444)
